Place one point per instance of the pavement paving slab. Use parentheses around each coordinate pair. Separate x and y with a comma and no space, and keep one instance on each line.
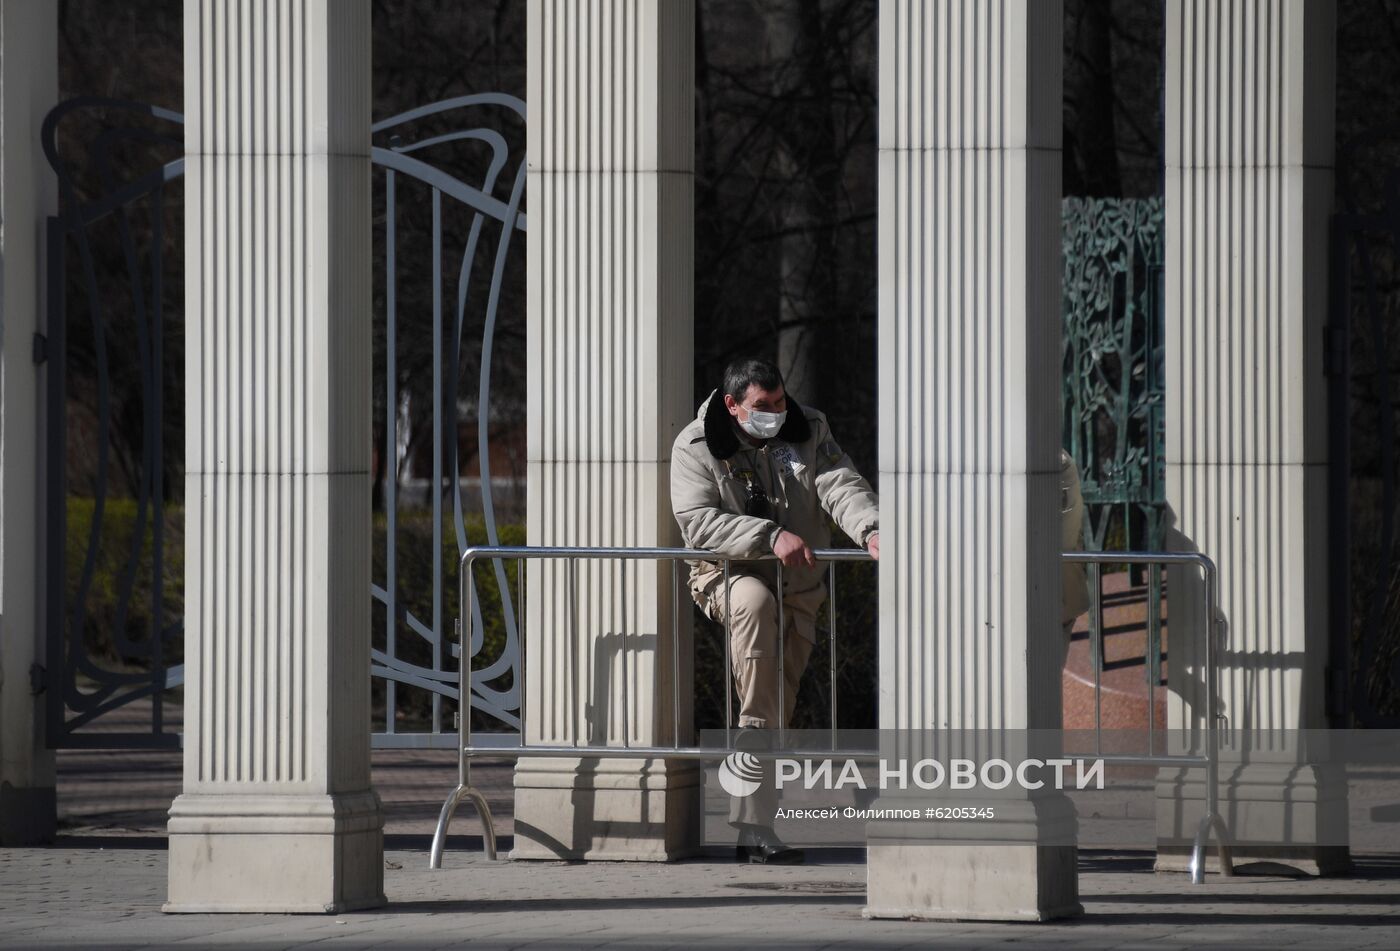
(102,884)
(96,892)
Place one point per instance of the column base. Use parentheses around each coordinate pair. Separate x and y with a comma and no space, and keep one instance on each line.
(314,854)
(28,814)
(618,810)
(972,882)
(1290,815)
(919,871)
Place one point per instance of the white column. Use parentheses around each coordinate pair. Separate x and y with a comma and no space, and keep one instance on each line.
(610,144)
(1250,104)
(277,812)
(969,152)
(28,90)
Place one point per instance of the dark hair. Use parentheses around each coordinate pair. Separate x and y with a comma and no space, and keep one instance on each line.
(741,374)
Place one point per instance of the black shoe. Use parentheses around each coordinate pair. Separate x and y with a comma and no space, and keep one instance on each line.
(761,845)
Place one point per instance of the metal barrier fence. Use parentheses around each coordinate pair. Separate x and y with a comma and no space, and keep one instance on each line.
(1209,760)
(1211,822)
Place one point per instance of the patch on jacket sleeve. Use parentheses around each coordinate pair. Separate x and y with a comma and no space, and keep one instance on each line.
(829,451)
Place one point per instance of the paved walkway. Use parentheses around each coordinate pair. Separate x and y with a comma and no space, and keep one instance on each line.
(106,893)
(102,885)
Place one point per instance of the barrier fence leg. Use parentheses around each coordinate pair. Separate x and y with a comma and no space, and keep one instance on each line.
(464,734)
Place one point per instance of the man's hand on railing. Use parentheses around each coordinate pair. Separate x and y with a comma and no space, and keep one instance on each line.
(793,551)
(872,545)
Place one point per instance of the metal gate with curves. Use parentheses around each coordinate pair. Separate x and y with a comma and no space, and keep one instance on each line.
(449,188)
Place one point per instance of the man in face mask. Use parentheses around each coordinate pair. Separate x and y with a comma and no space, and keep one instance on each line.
(754,475)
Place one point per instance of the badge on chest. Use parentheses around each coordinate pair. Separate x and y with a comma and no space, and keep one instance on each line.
(785,458)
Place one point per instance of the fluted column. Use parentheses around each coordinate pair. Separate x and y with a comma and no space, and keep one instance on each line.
(610,144)
(277,813)
(1250,105)
(28,90)
(969,152)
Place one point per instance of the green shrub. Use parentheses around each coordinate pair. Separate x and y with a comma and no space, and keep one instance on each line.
(111,602)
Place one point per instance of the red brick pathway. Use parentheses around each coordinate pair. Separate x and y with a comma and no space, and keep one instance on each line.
(1124,679)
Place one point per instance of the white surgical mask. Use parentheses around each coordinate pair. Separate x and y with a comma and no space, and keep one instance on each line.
(761,425)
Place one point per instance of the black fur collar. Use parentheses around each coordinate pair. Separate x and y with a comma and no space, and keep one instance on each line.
(722,440)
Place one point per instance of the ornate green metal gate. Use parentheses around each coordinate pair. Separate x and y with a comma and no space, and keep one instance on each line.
(1113,365)
(1113,375)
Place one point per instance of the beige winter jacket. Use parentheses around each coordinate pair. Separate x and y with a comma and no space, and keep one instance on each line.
(802,470)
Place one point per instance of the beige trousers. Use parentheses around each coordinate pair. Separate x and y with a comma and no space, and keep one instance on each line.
(753,647)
